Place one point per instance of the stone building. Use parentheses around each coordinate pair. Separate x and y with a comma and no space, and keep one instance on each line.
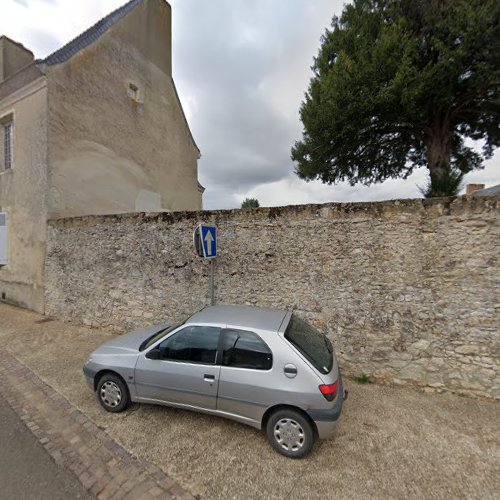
(95,128)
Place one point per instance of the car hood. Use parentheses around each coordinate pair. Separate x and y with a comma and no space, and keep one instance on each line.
(130,342)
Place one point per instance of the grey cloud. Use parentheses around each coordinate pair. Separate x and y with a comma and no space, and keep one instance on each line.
(245,144)
(44,42)
(227,55)
(246,66)
(219,197)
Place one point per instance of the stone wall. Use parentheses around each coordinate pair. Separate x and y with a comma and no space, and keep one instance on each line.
(409,291)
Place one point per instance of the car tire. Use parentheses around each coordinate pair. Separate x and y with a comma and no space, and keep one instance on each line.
(112,393)
(290,433)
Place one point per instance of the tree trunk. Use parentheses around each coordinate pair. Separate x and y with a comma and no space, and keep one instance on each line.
(444,181)
(438,144)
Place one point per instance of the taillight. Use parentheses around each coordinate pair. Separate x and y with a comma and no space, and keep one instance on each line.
(330,390)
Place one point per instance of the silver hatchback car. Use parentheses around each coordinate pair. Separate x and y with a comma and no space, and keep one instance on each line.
(262,367)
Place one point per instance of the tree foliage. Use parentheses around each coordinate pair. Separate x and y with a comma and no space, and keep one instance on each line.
(250,203)
(448,183)
(400,84)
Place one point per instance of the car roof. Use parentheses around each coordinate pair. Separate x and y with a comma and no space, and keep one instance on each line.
(245,317)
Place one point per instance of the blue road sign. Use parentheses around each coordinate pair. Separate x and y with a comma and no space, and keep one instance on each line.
(209,241)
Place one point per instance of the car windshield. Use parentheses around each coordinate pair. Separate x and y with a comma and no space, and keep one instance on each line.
(312,344)
(156,336)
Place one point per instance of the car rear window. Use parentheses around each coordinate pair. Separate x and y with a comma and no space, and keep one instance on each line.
(311,343)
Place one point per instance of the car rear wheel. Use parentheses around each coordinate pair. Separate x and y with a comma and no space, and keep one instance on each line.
(112,393)
(290,433)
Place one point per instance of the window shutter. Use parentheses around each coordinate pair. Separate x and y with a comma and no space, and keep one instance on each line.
(3,239)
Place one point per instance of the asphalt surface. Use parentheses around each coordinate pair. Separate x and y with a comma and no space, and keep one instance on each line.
(26,470)
(392,442)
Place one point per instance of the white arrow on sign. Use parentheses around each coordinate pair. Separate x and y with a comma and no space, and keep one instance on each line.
(209,239)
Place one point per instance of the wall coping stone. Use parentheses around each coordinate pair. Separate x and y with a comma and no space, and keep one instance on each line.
(433,207)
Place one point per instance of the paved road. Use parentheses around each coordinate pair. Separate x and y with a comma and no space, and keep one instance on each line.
(26,469)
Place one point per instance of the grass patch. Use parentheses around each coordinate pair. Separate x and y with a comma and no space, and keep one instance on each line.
(362,379)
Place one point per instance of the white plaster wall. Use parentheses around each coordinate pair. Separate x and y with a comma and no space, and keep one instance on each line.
(23,196)
(111,153)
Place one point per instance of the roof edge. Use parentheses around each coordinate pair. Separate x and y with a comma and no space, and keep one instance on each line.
(185,119)
(89,36)
(19,44)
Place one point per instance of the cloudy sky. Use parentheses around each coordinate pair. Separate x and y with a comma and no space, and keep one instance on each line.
(241,68)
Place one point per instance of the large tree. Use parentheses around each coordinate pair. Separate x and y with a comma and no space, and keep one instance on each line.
(400,84)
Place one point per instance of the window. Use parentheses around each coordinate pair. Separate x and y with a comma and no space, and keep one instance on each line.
(243,349)
(134,92)
(7,143)
(195,344)
(312,344)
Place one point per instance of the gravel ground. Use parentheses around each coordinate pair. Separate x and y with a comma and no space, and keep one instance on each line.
(392,442)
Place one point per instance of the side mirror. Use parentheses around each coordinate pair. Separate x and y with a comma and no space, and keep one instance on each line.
(154,354)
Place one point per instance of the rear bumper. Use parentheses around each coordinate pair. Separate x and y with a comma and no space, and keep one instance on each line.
(327,420)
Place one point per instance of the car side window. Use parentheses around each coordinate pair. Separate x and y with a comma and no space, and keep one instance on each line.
(243,349)
(194,344)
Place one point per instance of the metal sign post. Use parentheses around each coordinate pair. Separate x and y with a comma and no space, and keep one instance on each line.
(205,245)
(212,282)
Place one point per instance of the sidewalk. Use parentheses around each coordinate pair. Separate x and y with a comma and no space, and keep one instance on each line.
(103,467)
(392,442)
(26,469)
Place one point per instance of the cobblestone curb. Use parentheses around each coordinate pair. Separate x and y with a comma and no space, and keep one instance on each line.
(104,467)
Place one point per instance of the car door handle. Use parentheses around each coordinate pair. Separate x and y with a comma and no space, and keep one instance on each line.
(209,378)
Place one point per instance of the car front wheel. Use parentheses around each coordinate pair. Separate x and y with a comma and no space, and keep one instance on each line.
(112,393)
(290,433)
